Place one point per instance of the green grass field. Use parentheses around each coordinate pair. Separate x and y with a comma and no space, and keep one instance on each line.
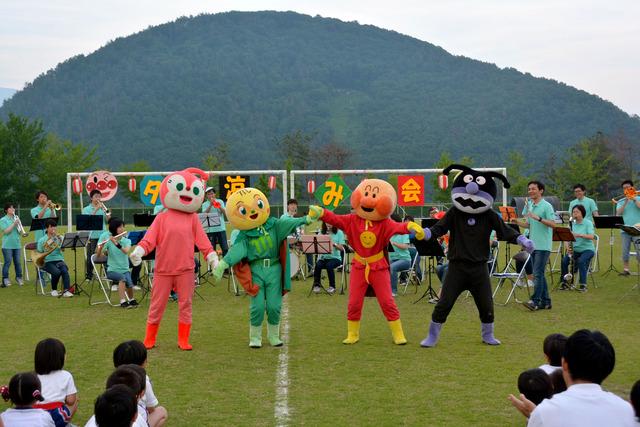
(224,382)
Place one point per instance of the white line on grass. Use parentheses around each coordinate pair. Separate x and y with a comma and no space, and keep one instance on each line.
(281,410)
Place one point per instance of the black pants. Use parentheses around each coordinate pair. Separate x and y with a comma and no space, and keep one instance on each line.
(58,269)
(465,276)
(219,237)
(91,249)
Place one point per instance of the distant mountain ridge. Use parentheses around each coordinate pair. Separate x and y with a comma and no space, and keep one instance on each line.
(168,93)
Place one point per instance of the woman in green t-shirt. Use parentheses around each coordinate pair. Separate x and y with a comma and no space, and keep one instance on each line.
(583,248)
(330,261)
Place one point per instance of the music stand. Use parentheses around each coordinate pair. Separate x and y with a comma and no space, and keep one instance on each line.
(561,234)
(37,224)
(432,250)
(211,219)
(610,222)
(634,232)
(75,240)
(91,223)
(143,219)
(316,245)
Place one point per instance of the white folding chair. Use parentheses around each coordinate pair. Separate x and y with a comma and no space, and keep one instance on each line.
(103,282)
(593,264)
(514,276)
(412,277)
(40,285)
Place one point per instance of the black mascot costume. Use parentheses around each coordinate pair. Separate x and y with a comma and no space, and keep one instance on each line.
(470,222)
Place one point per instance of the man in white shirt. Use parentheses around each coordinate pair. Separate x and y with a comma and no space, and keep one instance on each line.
(588,359)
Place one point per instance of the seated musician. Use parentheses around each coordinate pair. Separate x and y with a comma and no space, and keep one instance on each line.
(331,260)
(117,247)
(54,260)
(583,249)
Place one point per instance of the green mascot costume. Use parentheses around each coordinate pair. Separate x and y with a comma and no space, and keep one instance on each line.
(260,259)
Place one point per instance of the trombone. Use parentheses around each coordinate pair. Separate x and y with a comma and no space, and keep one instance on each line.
(20,227)
(629,193)
(54,206)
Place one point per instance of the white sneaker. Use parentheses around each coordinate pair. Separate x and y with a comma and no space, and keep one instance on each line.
(317,289)
(67,294)
(521,283)
(137,288)
(55,293)
(531,284)
(6,283)
(20,281)
(114,288)
(331,291)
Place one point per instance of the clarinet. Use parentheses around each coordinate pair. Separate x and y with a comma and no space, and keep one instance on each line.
(568,278)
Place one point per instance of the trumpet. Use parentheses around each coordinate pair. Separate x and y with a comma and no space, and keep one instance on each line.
(105,209)
(54,206)
(629,193)
(20,227)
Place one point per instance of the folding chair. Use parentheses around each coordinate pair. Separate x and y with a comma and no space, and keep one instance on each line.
(511,274)
(412,277)
(103,282)
(39,280)
(493,258)
(593,264)
(27,247)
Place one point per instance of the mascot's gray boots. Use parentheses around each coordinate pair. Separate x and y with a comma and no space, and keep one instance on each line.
(487,334)
(434,334)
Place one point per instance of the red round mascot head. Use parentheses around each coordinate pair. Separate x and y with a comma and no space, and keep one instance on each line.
(373,199)
(184,190)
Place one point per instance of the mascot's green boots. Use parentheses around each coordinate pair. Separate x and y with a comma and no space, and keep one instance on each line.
(273,334)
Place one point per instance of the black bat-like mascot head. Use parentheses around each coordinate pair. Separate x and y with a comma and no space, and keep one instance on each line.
(474,191)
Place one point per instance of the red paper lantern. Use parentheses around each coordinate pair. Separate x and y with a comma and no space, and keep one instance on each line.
(132,184)
(272,182)
(76,185)
(311,186)
(443,182)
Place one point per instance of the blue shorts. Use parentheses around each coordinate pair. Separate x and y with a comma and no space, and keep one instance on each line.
(116,277)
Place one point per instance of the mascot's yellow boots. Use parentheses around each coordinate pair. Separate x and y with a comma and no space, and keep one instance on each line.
(353,332)
(396,332)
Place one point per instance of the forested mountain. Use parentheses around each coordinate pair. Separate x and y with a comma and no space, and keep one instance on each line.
(169,93)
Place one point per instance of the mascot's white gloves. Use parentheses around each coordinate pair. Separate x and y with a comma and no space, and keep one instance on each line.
(212,260)
(136,256)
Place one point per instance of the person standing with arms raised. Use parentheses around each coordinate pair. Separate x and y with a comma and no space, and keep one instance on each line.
(538,218)
(629,208)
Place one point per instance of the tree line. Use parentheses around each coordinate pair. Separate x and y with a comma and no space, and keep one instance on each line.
(33,159)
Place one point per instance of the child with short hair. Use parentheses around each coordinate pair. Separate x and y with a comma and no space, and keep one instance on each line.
(58,387)
(133,377)
(116,407)
(535,384)
(553,348)
(24,392)
(134,352)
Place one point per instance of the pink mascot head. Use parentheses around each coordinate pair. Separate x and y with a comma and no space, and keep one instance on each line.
(184,190)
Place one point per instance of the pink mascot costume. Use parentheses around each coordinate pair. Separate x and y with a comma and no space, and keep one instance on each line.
(173,235)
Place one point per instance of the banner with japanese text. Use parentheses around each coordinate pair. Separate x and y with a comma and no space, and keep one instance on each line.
(229,184)
(331,194)
(150,190)
(410,190)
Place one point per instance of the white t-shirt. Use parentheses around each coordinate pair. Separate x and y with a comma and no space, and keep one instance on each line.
(149,399)
(549,369)
(27,418)
(140,422)
(56,386)
(583,405)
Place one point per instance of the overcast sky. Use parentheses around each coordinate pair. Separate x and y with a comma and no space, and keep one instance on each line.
(592,45)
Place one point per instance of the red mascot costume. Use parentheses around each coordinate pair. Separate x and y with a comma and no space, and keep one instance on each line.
(173,235)
(368,230)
